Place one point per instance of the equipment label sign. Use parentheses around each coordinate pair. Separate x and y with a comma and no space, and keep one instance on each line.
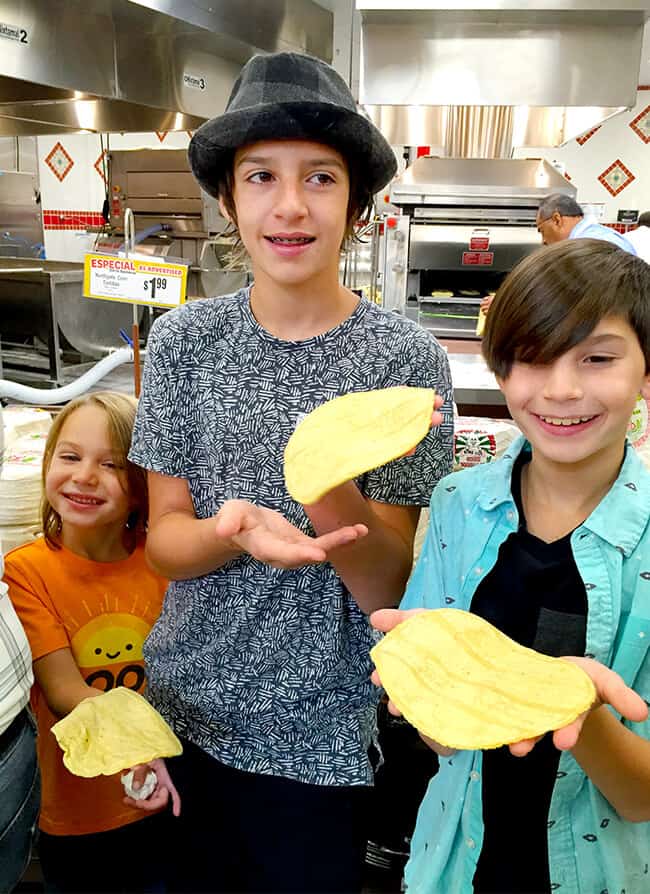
(137,279)
(481,258)
(13,32)
(479,241)
(196,82)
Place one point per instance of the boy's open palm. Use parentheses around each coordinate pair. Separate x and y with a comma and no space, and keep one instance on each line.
(267,536)
(610,690)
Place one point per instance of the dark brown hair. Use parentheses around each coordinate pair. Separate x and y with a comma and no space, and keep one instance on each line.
(120,416)
(360,200)
(557,296)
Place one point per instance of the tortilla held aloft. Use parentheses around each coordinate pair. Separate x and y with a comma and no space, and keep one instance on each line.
(353,434)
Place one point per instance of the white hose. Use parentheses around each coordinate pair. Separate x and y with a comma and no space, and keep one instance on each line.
(41,396)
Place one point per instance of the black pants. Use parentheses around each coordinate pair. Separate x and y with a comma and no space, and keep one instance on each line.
(247,832)
(128,860)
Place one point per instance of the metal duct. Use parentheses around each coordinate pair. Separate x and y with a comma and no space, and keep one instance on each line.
(482,78)
(117,65)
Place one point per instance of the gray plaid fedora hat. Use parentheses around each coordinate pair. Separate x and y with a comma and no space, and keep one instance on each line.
(290,96)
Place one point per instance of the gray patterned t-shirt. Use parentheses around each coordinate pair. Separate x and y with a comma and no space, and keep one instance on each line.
(267,669)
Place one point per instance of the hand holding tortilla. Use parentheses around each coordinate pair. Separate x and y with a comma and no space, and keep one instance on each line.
(163,792)
(350,435)
(113,732)
(464,684)
(486,303)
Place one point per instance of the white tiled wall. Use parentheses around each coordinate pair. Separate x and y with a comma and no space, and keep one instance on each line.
(614,141)
(82,188)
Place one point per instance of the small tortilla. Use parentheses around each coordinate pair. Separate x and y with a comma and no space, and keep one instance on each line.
(350,435)
(463,683)
(113,732)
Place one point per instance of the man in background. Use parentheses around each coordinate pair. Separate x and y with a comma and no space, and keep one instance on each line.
(561,217)
(640,238)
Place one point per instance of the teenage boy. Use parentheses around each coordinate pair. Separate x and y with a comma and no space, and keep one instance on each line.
(260,657)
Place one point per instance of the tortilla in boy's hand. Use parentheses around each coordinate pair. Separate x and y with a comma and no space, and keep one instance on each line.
(112,732)
(464,684)
(350,435)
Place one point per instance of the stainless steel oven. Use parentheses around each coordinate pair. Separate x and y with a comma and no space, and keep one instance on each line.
(464,224)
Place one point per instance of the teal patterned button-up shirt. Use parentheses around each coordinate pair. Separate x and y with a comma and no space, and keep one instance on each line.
(591,849)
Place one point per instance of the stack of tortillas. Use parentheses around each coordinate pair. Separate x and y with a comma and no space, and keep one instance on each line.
(353,434)
(25,433)
(463,683)
(112,732)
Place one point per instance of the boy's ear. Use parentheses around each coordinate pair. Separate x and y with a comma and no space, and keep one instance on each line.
(224,210)
(645,387)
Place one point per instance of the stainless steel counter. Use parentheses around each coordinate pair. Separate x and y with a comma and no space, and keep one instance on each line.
(473,381)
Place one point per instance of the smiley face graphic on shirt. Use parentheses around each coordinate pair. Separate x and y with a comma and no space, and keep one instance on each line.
(108,650)
(111,637)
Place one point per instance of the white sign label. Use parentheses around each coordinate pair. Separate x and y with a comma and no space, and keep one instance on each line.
(13,32)
(136,280)
(196,82)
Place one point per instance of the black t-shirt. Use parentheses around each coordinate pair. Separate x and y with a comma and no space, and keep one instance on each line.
(536,596)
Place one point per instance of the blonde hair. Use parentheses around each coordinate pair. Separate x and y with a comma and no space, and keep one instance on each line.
(120,415)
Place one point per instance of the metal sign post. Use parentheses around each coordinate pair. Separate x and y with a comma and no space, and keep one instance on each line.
(129,248)
(136,279)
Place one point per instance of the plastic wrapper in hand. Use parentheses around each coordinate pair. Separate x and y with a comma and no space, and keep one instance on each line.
(147,788)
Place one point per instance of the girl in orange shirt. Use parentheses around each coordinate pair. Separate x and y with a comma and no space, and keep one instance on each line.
(87,600)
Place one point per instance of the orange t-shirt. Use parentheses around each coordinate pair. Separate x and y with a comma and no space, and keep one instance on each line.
(102,611)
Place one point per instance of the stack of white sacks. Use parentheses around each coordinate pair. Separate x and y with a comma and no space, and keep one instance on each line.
(24,435)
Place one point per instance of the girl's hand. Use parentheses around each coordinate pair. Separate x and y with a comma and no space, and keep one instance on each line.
(610,690)
(162,792)
(385,619)
(267,536)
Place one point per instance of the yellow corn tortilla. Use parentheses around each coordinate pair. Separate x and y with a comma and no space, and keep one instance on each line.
(463,683)
(112,732)
(350,435)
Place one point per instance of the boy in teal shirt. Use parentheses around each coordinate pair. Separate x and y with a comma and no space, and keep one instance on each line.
(551,544)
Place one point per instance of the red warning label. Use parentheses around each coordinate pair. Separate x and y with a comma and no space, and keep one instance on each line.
(478,258)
